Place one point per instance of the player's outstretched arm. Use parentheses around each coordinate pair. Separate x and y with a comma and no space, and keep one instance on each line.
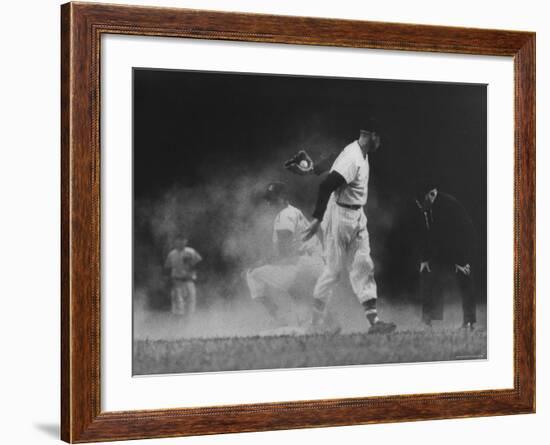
(302,164)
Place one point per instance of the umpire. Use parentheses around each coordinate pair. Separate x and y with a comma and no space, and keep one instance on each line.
(447,241)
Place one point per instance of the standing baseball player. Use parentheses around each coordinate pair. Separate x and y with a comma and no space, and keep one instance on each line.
(180,267)
(339,210)
(295,265)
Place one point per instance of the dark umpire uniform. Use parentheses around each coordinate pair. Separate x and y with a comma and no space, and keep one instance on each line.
(447,245)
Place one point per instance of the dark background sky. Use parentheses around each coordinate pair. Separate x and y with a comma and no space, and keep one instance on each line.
(206,144)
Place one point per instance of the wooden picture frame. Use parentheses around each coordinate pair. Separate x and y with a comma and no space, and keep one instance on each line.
(82,26)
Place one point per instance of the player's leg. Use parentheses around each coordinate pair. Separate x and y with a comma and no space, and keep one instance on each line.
(309,269)
(257,286)
(334,241)
(178,296)
(173,298)
(255,282)
(191,297)
(328,279)
(263,282)
(361,274)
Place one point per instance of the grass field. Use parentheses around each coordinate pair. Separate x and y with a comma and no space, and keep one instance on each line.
(239,335)
(297,351)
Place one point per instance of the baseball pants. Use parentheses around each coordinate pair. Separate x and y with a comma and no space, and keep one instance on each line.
(346,248)
(183,297)
(283,277)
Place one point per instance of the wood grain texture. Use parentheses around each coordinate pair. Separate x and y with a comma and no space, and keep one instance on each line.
(65,227)
(82,27)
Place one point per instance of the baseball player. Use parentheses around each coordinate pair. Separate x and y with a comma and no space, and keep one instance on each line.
(339,213)
(180,267)
(295,265)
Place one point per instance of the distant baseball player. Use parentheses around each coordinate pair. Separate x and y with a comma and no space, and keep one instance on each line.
(180,266)
(339,210)
(295,264)
(447,245)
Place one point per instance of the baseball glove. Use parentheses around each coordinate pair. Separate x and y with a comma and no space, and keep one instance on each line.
(300,164)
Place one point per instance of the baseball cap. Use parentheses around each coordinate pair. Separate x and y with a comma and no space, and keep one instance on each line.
(275,190)
(370,124)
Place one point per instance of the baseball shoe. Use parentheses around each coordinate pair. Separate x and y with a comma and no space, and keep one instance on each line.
(382,327)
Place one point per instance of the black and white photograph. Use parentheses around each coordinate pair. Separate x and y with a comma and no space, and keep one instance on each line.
(236,222)
(285,221)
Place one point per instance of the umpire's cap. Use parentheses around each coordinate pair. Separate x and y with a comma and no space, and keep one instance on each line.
(275,190)
(423,186)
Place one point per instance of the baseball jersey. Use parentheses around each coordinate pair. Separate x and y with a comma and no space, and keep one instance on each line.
(293,220)
(354,167)
(181,263)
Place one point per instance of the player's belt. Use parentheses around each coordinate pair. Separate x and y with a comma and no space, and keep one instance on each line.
(349,206)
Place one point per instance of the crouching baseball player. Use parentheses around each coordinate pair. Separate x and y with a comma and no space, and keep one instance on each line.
(295,265)
(180,266)
(339,212)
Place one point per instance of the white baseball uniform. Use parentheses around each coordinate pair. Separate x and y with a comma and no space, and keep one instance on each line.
(183,294)
(346,239)
(305,263)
